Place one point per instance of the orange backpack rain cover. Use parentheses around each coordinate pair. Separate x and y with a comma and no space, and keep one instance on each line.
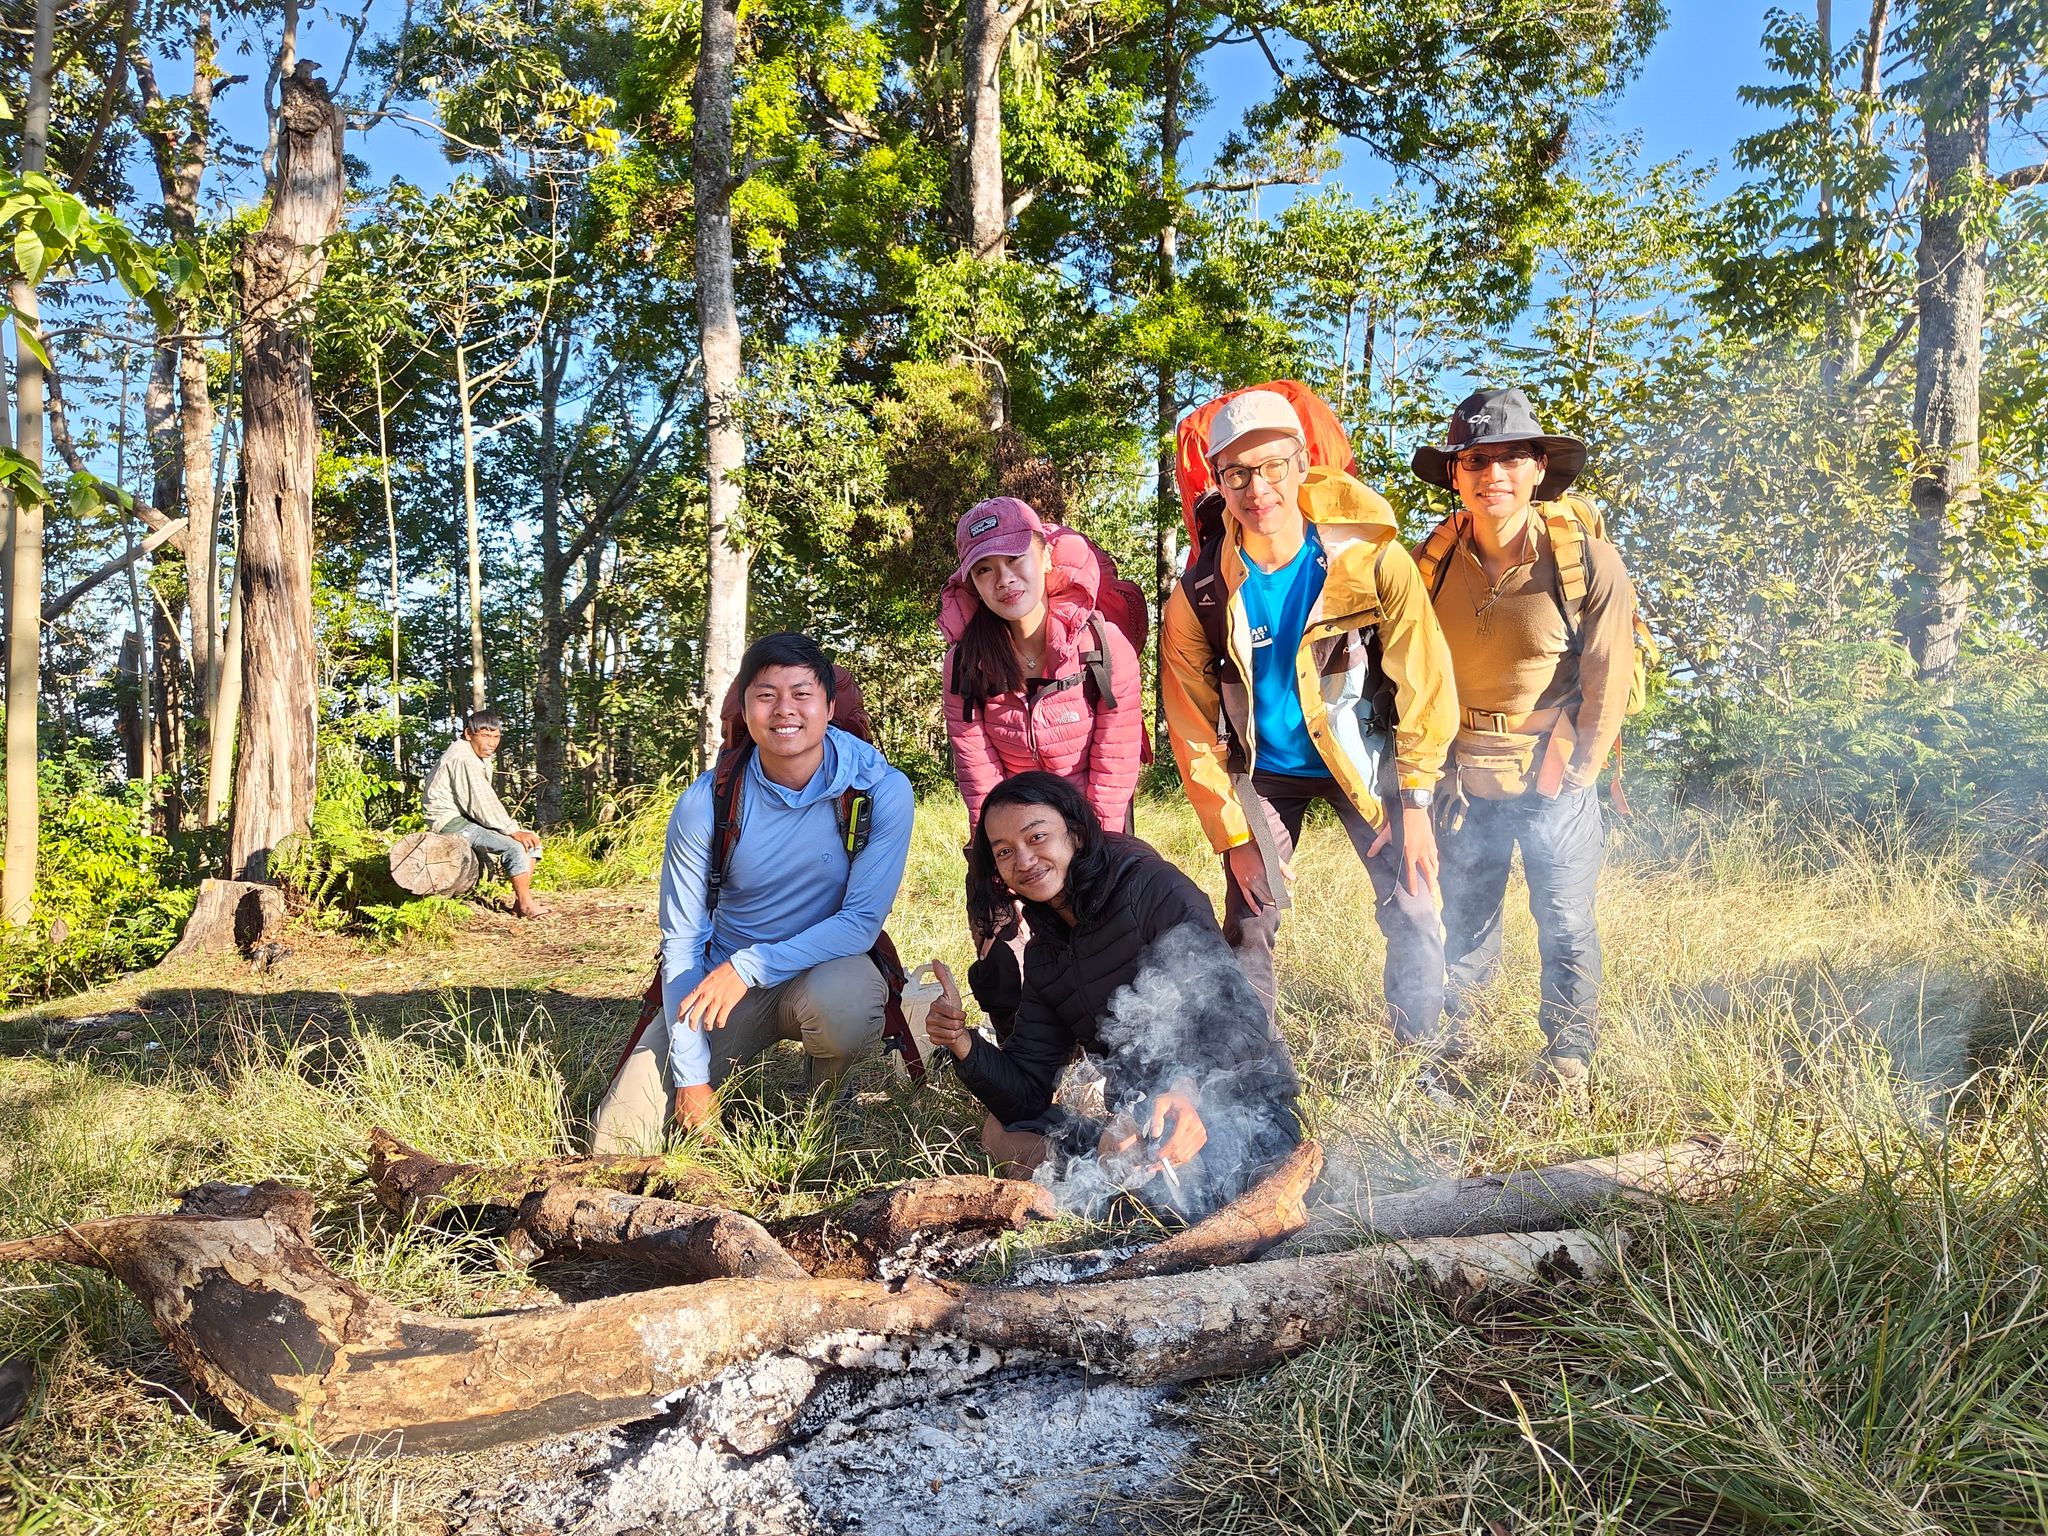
(1327,445)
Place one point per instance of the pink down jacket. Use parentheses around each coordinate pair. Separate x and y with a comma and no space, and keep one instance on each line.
(1096,744)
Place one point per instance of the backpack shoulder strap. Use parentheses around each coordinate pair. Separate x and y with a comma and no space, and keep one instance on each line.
(1434,554)
(727,774)
(1096,663)
(1572,549)
(855,815)
(1203,584)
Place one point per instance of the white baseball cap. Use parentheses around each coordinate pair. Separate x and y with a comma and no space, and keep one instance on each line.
(1256,410)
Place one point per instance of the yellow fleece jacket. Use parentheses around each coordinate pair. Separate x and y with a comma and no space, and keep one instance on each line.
(1371,582)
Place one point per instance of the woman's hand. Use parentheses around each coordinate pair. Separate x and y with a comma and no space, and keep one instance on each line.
(946,1023)
(1175,1124)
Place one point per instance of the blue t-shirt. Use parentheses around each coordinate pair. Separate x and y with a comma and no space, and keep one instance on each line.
(1277,606)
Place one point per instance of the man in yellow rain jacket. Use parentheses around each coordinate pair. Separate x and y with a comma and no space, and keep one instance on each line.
(1300,662)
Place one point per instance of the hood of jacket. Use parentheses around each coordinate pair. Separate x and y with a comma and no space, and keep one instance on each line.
(849,763)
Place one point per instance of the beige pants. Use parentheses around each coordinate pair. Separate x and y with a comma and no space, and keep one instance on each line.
(835,1008)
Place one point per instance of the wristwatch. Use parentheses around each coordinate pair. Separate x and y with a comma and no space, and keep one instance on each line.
(1416,799)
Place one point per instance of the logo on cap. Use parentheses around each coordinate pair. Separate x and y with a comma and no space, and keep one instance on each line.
(980,526)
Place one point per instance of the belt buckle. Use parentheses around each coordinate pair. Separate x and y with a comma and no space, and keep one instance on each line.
(1499,725)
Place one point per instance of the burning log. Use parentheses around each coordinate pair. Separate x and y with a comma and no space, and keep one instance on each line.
(1699,1168)
(1270,1212)
(854,1242)
(256,1316)
(412,1183)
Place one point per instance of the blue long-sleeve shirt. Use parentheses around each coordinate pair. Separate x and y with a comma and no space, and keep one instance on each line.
(791,898)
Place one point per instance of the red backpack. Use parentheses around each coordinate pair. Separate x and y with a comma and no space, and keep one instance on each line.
(1201,501)
(853,813)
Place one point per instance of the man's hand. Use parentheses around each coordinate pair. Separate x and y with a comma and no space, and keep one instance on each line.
(713,999)
(527,840)
(1418,850)
(946,1024)
(1175,1125)
(1248,872)
(695,1108)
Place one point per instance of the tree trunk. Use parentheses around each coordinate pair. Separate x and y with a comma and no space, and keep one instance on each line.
(726,555)
(256,1316)
(550,690)
(230,915)
(226,707)
(435,864)
(479,689)
(25,526)
(391,553)
(278,271)
(1956,114)
(1166,393)
(984,29)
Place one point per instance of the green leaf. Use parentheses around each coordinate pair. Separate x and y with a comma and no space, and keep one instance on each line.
(30,256)
(66,216)
(26,335)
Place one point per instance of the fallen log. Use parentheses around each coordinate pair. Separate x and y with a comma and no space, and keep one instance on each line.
(599,1206)
(1700,1168)
(413,1183)
(691,1242)
(255,1315)
(1270,1212)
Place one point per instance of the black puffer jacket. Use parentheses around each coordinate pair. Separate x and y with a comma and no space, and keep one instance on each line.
(1150,989)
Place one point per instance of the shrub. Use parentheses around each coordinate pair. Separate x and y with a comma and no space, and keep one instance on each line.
(101,903)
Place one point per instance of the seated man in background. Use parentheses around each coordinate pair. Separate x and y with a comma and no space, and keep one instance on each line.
(783,860)
(459,801)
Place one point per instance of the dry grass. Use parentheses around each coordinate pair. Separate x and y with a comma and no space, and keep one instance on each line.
(1854,1346)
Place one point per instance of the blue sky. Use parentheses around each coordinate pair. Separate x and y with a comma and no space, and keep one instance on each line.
(1683,102)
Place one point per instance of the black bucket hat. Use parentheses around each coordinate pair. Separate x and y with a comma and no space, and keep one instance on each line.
(1501,416)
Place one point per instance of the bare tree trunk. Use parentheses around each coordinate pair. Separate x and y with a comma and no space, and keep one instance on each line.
(1166,391)
(984,29)
(25,525)
(1949,356)
(550,690)
(227,704)
(391,552)
(726,557)
(479,688)
(278,272)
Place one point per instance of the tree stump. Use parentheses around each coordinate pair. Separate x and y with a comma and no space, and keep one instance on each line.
(231,915)
(430,864)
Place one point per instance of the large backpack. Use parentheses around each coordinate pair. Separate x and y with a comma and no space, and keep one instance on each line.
(853,812)
(1569,521)
(1077,567)
(1201,500)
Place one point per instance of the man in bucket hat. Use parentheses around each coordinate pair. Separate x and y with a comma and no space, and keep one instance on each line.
(1538,611)
(1300,662)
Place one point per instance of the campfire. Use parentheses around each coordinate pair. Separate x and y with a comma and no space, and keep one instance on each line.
(763,1320)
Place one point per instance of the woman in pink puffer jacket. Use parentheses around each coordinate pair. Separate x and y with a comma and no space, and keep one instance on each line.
(1021,693)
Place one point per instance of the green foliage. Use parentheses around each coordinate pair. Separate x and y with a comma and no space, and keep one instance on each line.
(343,860)
(425,922)
(104,903)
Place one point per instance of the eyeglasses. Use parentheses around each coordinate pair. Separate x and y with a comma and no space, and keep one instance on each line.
(1479,463)
(1273,471)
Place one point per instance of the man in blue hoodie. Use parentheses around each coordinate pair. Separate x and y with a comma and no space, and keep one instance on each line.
(781,951)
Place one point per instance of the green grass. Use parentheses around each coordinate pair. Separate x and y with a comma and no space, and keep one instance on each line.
(1855,1344)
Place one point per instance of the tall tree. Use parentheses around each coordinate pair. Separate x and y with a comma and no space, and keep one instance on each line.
(25,522)
(278,272)
(726,555)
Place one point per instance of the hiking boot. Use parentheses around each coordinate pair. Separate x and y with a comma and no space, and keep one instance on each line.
(1568,1076)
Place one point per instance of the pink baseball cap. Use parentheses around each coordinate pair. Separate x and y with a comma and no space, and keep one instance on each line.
(1002,525)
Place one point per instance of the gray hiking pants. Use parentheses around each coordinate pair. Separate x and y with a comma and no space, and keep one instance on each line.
(1560,841)
(837,1009)
(1414,973)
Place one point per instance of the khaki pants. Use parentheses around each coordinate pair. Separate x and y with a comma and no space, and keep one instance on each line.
(835,1008)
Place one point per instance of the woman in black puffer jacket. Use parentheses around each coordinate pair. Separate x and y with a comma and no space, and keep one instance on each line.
(1127,963)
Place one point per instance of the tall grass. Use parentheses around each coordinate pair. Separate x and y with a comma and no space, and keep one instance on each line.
(1854,1344)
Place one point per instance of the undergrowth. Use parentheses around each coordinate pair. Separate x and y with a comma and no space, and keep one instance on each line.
(1855,1343)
